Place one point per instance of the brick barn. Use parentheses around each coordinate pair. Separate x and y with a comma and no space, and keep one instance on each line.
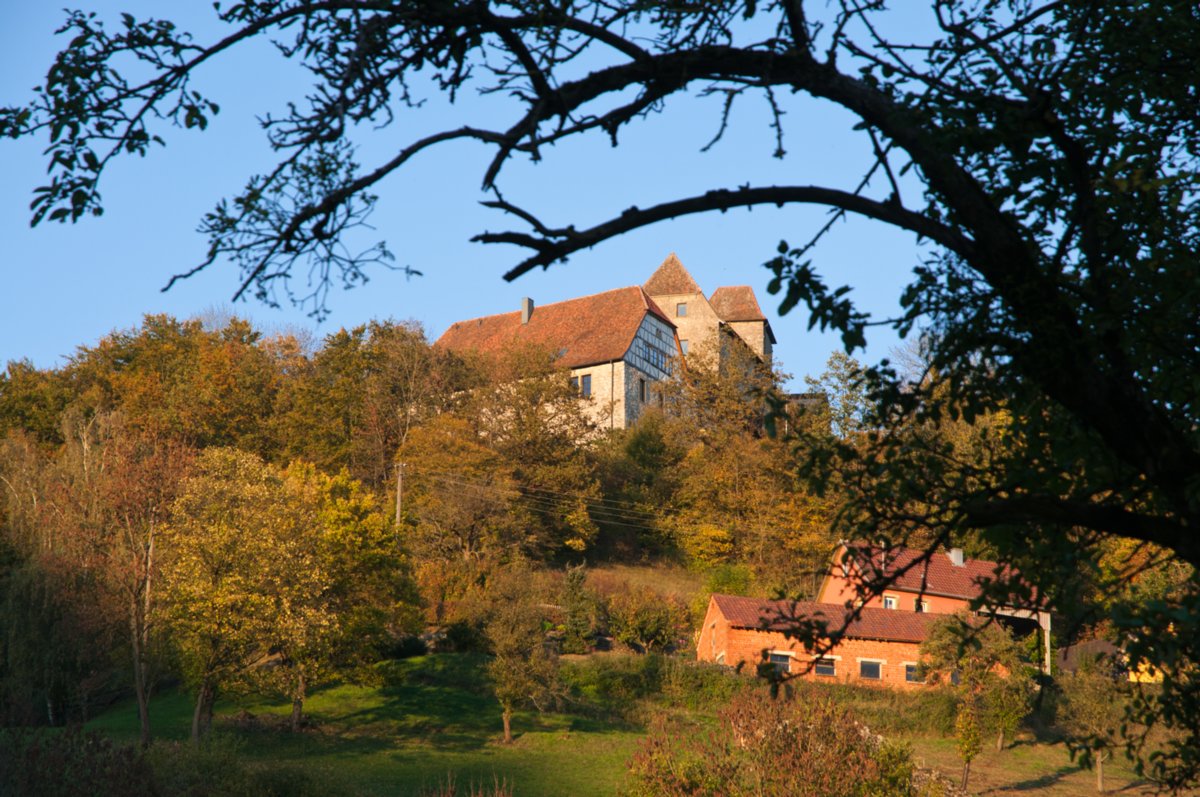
(880,647)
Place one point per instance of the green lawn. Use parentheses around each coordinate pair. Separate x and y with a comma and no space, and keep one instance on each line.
(408,734)
(431,718)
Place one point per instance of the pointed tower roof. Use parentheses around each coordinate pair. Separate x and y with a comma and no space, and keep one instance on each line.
(671,278)
(736,303)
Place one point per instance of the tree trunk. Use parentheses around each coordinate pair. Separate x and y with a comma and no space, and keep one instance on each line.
(1100,773)
(202,717)
(966,774)
(1000,741)
(140,687)
(507,716)
(298,702)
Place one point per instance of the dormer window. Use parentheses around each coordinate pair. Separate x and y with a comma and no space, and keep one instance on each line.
(681,309)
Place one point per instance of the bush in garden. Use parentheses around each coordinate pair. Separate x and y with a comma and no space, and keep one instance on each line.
(643,619)
(774,748)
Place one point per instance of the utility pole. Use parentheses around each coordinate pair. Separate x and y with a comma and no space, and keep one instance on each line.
(399,492)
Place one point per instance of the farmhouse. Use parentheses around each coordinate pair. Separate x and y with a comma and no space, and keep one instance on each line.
(945,583)
(879,647)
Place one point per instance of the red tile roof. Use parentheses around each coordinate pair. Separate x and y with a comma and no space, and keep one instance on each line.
(736,303)
(939,576)
(891,625)
(671,278)
(588,330)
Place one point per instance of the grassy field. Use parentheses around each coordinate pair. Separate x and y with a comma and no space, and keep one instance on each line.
(431,719)
(1027,767)
(402,737)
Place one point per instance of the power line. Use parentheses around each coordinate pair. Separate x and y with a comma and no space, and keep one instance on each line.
(566,501)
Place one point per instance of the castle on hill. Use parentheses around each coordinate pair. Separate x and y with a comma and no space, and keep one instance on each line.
(619,344)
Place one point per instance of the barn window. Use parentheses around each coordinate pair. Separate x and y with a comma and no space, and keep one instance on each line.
(912,673)
(870,670)
(825,666)
(782,662)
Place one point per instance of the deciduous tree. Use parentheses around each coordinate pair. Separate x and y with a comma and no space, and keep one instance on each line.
(1092,710)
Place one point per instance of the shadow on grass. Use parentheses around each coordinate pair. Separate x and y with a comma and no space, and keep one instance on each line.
(1045,781)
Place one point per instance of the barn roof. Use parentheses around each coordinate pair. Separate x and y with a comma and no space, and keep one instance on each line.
(891,625)
(584,331)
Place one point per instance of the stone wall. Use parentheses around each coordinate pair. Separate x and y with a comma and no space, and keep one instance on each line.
(754,333)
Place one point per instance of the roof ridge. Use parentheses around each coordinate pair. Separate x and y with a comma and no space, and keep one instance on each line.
(549,304)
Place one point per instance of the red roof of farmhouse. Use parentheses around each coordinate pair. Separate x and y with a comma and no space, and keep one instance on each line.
(889,625)
(938,576)
(585,331)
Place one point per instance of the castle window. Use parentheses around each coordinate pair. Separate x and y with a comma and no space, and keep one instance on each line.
(642,389)
(681,309)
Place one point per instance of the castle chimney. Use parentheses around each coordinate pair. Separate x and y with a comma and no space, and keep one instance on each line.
(956,557)
(526,309)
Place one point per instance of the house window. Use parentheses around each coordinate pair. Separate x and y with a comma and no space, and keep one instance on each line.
(642,389)
(575,383)
(585,385)
(681,309)
(889,601)
(782,663)
(920,605)
(825,667)
(954,679)
(912,673)
(870,670)
(683,344)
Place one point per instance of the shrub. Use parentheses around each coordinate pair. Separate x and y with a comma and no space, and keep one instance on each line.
(797,748)
(52,763)
(698,685)
(645,620)
(583,612)
(613,685)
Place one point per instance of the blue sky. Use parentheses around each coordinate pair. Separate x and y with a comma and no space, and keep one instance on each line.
(68,285)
